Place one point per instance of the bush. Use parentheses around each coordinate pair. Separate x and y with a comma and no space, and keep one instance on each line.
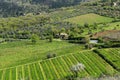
(51,38)
(51,55)
(89,46)
(34,38)
(54,55)
(86,25)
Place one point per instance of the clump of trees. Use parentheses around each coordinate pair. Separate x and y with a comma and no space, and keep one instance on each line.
(51,55)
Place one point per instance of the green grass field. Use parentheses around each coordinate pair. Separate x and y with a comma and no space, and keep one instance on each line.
(15,53)
(59,68)
(113,25)
(89,18)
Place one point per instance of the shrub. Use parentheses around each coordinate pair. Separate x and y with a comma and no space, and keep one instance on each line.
(50,38)
(34,38)
(49,56)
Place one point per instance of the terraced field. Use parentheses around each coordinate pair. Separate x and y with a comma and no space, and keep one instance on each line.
(59,68)
(112,56)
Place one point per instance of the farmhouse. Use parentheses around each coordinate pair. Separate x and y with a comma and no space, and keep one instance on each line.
(62,36)
(112,35)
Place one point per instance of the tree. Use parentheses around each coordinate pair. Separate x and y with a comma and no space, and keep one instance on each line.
(62,30)
(34,38)
(87,39)
(49,56)
(54,55)
(86,25)
(95,25)
(50,38)
(76,68)
(89,46)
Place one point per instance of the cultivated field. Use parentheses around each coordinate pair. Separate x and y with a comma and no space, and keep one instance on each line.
(112,56)
(21,52)
(89,18)
(59,68)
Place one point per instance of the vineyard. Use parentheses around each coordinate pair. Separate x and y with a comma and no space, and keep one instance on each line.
(59,68)
(112,56)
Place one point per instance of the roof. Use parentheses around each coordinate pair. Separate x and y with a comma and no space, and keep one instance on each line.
(63,34)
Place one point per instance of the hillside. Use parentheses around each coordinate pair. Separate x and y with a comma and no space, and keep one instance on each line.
(59,67)
(22,7)
(89,18)
(23,52)
(59,39)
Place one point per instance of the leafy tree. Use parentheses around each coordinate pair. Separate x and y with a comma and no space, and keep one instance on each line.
(89,46)
(50,38)
(86,39)
(62,30)
(34,38)
(86,25)
(49,56)
(54,55)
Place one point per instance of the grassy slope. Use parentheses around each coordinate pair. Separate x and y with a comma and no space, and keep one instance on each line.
(89,18)
(59,67)
(113,25)
(15,53)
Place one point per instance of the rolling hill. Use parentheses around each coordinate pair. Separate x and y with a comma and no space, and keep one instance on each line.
(89,18)
(59,68)
(21,7)
(51,39)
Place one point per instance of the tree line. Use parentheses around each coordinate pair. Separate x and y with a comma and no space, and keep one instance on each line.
(21,7)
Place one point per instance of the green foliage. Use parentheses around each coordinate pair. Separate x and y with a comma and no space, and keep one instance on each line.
(86,25)
(89,46)
(34,38)
(51,55)
(51,38)
(100,40)
(22,27)
(59,20)
(22,7)
(87,39)
(22,52)
(89,19)
(59,68)
(111,56)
